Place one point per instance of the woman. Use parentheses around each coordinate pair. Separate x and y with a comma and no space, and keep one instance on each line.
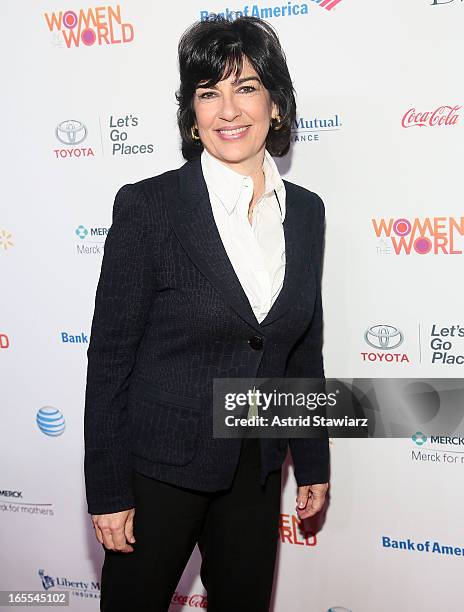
(211,270)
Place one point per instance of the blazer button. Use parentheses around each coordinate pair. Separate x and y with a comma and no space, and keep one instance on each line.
(256,342)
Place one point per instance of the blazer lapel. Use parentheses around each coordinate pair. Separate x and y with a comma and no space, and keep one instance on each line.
(193,222)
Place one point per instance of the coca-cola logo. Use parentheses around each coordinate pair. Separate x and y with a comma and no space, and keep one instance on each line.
(4,341)
(196,600)
(443,115)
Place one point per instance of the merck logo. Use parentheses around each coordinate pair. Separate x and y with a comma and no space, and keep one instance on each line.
(101,25)
(419,438)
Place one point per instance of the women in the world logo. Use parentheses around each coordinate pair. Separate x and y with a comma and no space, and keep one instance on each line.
(50,421)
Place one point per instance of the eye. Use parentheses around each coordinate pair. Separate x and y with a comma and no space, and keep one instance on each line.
(206,95)
(247,88)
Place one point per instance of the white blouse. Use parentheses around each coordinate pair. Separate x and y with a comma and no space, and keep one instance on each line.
(256,250)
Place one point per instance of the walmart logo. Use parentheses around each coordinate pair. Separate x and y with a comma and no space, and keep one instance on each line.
(82,232)
(419,438)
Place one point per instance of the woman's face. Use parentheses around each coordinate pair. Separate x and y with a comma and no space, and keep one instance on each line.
(233,116)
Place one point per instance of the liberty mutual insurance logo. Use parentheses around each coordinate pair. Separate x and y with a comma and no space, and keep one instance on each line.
(47,581)
(83,589)
(309,128)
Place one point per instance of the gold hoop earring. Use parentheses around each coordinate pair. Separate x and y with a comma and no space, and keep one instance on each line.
(278,123)
(192,131)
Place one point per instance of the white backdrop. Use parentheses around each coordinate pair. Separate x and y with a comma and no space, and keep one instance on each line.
(379,137)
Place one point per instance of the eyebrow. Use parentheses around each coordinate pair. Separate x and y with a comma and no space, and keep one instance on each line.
(236,82)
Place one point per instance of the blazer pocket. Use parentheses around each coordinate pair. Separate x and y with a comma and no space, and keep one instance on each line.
(164,425)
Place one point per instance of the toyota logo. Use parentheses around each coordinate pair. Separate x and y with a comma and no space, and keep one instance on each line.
(71,132)
(383,337)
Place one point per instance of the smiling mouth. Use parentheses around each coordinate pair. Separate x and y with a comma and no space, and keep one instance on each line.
(232,131)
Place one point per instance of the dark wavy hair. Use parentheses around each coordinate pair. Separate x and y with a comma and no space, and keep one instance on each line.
(212,50)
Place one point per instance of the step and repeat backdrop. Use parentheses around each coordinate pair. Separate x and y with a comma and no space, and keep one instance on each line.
(88,105)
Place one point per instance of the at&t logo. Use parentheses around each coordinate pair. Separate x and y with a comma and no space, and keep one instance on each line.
(50,421)
(71,133)
(384,338)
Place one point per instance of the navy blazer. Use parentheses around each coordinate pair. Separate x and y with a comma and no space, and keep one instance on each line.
(170,316)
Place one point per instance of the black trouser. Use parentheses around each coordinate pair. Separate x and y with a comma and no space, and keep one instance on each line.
(236,531)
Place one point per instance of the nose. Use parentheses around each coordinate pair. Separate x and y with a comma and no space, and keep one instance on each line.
(230,109)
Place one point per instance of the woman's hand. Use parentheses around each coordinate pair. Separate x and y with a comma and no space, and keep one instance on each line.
(115,530)
(310,499)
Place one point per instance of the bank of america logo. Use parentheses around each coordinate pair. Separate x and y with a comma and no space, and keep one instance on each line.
(327,4)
